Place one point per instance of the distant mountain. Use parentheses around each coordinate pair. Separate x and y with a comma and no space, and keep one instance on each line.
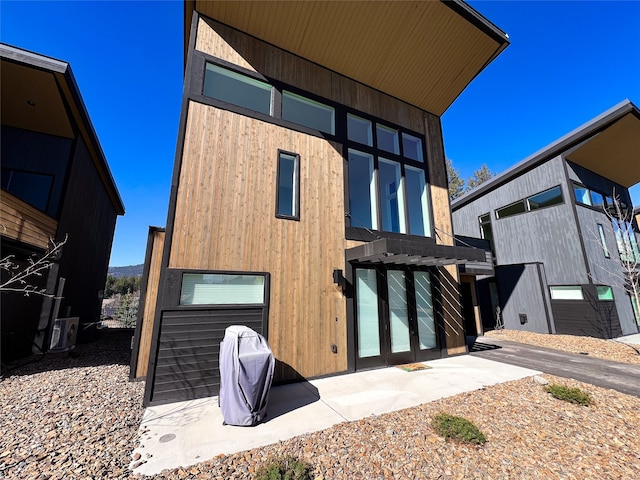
(128,271)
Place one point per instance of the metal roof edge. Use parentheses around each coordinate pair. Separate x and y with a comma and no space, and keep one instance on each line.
(556,147)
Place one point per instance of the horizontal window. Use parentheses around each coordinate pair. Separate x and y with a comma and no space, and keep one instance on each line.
(604,293)
(237,89)
(512,209)
(221,289)
(548,198)
(307,112)
(567,293)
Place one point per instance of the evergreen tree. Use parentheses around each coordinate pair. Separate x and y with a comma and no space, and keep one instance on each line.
(479,176)
(456,184)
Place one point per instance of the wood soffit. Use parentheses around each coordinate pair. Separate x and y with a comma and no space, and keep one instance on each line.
(613,153)
(422,52)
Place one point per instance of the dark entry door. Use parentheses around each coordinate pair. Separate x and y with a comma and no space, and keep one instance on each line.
(395,323)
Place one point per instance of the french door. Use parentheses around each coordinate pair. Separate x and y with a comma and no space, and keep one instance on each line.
(395,321)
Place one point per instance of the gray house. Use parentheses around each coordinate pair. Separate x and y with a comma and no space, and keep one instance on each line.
(556,238)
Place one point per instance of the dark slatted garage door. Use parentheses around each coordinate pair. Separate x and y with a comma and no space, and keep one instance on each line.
(591,319)
(187,361)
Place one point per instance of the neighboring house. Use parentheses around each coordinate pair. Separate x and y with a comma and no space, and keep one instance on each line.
(557,253)
(56,184)
(309,198)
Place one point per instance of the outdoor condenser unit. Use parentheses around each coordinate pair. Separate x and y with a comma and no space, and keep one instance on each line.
(63,334)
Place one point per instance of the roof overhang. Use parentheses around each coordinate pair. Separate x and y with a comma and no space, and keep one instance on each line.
(607,145)
(40,94)
(422,52)
(410,252)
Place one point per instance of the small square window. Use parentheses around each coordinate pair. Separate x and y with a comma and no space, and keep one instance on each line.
(359,130)
(597,199)
(412,147)
(387,139)
(605,293)
(582,194)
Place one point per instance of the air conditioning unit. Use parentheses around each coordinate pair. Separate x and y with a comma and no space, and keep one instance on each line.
(63,334)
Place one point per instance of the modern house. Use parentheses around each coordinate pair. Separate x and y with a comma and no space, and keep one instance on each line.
(309,197)
(558,239)
(56,184)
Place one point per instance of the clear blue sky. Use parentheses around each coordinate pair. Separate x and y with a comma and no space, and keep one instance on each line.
(567,63)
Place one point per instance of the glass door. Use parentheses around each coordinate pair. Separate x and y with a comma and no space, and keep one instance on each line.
(400,331)
(427,342)
(368,325)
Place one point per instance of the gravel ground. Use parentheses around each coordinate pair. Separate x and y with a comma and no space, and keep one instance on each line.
(68,418)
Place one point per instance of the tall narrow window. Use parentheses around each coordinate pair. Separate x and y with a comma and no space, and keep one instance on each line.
(391,196)
(237,89)
(362,191)
(307,112)
(417,202)
(603,241)
(288,195)
(486,231)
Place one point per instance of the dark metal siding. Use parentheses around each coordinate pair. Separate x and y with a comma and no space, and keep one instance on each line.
(575,317)
(189,346)
(88,217)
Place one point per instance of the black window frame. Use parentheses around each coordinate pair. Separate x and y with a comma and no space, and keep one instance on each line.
(296,181)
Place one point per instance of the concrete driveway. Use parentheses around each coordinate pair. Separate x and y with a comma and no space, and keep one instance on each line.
(185,433)
(622,377)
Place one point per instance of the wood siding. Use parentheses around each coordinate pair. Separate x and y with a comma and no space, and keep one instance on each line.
(24,223)
(148,308)
(225,221)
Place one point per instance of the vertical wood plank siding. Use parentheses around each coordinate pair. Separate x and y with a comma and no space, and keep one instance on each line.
(224,217)
(20,221)
(151,295)
(225,221)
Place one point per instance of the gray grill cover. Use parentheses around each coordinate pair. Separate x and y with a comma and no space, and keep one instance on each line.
(246,372)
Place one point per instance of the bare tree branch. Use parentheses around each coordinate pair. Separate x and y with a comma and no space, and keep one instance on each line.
(21,278)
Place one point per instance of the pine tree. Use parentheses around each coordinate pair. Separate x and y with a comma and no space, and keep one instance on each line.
(479,176)
(456,184)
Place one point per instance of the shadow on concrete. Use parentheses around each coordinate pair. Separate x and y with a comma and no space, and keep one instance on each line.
(287,398)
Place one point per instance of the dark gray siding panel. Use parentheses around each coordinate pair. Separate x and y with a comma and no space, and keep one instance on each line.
(88,218)
(606,271)
(189,346)
(522,291)
(548,236)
